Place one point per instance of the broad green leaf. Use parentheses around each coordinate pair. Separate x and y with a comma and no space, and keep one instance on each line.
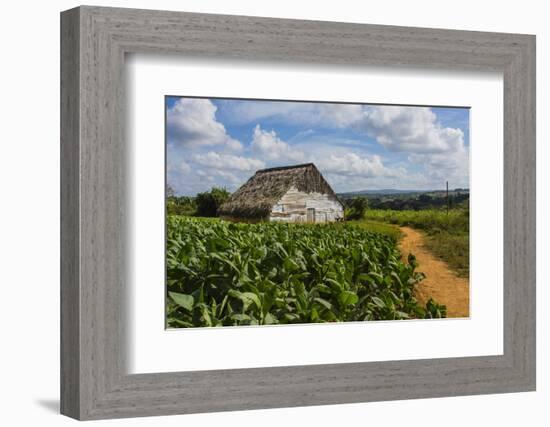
(183,300)
(378,302)
(247,298)
(324,303)
(348,298)
(250,296)
(240,317)
(287,273)
(269,319)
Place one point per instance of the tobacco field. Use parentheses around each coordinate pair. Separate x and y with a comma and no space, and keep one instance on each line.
(228,274)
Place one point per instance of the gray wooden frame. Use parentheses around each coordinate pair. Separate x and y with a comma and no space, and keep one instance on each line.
(94,41)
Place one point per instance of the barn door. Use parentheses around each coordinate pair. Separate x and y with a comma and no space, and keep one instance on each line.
(310,216)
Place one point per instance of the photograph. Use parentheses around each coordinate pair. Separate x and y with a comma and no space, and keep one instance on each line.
(320,212)
(286,212)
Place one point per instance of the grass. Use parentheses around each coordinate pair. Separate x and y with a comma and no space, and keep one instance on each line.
(430,220)
(453,249)
(390,230)
(447,235)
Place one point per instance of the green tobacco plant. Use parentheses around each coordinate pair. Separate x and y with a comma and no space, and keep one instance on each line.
(227,274)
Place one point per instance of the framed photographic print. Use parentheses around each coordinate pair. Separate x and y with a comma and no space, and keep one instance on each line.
(330,212)
(284,212)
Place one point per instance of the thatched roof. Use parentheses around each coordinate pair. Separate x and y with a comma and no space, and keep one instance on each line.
(261,192)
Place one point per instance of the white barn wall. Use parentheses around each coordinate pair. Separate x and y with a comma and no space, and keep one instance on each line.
(293,206)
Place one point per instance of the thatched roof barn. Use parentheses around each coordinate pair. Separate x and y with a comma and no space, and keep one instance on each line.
(296,193)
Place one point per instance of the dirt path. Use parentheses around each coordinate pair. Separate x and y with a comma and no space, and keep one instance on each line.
(442,284)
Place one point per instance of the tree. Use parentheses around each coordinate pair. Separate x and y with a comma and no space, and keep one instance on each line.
(357,207)
(425,199)
(209,201)
(182,205)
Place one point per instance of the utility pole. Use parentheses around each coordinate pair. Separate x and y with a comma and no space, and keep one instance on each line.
(447,197)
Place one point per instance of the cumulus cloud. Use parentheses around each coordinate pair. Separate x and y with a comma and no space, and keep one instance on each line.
(417,131)
(411,129)
(398,128)
(192,122)
(351,164)
(230,178)
(228,161)
(442,167)
(270,146)
(184,167)
(355,146)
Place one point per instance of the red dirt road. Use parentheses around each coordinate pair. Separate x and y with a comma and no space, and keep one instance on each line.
(441,283)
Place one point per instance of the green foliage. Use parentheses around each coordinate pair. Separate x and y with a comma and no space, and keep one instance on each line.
(209,201)
(431,220)
(356,207)
(458,198)
(180,205)
(390,230)
(435,310)
(454,248)
(221,273)
(447,234)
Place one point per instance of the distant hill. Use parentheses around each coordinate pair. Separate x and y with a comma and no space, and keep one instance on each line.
(410,199)
(381,192)
(397,192)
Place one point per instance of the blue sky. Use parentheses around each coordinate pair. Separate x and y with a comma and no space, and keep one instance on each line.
(222,142)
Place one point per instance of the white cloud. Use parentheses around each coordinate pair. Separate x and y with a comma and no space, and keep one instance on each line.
(413,148)
(398,128)
(351,164)
(192,122)
(417,131)
(184,167)
(441,167)
(228,161)
(305,113)
(231,179)
(270,146)
(410,129)
(346,183)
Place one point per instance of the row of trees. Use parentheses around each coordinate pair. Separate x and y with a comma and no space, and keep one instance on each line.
(205,204)
(420,202)
(356,207)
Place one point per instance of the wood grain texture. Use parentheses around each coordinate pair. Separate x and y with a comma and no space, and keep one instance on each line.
(70,220)
(94,382)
